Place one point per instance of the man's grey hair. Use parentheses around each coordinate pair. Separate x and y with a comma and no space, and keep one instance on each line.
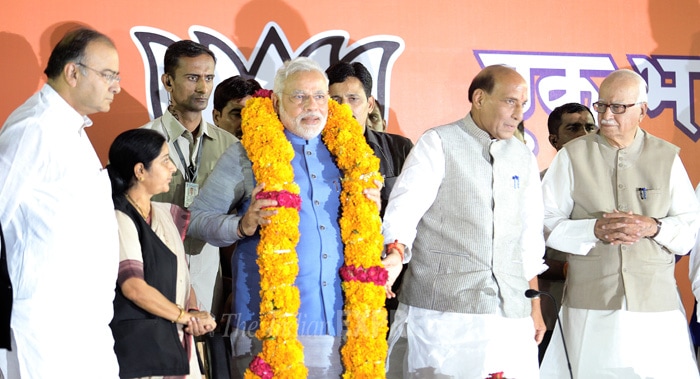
(299,64)
(642,96)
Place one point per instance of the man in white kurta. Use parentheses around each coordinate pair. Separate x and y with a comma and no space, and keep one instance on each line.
(58,218)
(620,202)
(466,208)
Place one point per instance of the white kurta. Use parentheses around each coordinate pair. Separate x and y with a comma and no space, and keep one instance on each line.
(618,344)
(694,266)
(454,344)
(62,243)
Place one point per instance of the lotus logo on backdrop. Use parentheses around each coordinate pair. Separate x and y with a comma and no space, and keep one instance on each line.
(377,53)
(554,78)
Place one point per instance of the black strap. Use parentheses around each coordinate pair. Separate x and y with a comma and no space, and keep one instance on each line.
(5,297)
(192,169)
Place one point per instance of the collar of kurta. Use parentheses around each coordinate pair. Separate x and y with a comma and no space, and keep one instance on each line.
(68,115)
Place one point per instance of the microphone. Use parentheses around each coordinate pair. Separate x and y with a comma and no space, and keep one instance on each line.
(534,294)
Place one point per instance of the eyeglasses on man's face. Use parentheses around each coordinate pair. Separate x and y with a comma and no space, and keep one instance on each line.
(109,76)
(614,108)
(299,98)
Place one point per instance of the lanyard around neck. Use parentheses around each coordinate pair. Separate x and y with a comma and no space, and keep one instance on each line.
(192,169)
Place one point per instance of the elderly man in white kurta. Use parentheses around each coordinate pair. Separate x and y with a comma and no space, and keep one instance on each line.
(621,203)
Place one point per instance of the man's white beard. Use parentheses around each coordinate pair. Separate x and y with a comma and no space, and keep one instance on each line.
(295,126)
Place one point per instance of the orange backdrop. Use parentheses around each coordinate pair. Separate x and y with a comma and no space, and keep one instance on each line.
(563,48)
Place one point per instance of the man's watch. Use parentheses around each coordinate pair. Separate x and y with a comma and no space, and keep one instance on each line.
(658,227)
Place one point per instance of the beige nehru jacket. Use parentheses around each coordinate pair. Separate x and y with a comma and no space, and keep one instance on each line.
(637,179)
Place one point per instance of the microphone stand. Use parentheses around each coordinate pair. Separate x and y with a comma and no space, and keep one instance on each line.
(532,294)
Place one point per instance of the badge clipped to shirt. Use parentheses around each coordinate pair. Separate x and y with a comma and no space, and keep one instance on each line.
(191,191)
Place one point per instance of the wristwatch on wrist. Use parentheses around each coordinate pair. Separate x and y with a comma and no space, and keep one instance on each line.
(658,227)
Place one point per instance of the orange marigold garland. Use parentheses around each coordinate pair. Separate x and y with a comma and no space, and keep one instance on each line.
(271,153)
(364,352)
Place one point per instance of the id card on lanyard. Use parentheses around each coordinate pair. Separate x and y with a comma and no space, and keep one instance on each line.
(191,191)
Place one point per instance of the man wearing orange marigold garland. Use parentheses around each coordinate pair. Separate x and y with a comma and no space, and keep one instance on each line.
(229,209)
(467,213)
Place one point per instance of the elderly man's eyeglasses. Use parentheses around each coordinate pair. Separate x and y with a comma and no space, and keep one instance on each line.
(301,98)
(109,76)
(614,108)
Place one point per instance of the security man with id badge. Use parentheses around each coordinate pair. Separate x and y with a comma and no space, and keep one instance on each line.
(195,147)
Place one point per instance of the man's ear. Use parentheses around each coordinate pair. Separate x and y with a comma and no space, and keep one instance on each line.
(370,104)
(70,73)
(216,116)
(478,98)
(167,82)
(553,139)
(275,101)
(644,109)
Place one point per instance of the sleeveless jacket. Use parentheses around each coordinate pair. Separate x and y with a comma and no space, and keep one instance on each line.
(467,257)
(637,179)
(148,345)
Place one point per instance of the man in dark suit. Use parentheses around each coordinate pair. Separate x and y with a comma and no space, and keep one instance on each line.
(351,83)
